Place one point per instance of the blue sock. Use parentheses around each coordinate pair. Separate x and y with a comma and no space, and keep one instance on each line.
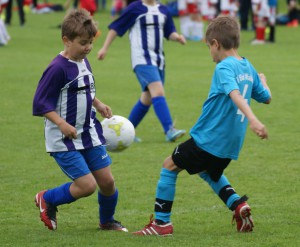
(137,113)
(165,194)
(59,195)
(222,188)
(107,206)
(162,112)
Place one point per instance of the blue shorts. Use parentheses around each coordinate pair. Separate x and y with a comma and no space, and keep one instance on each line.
(78,163)
(147,74)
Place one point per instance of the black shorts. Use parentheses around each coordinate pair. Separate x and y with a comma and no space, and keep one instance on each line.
(190,157)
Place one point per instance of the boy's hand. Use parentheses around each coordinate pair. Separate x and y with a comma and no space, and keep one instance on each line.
(105,111)
(68,130)
(101,54)
(259,129)
(262,77)
(181,39)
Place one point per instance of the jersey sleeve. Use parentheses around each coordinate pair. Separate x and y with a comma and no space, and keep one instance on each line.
(226,78)
(259,93)
(127,18)
(48,90)
(169,25)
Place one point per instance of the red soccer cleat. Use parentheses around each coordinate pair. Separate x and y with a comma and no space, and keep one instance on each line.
(154,229)
(47,211)
(242,216)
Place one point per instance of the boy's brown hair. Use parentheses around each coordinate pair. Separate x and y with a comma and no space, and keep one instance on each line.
(78,23)
(225,30)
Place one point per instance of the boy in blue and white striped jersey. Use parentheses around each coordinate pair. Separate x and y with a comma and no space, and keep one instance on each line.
(148,23)
(66,97)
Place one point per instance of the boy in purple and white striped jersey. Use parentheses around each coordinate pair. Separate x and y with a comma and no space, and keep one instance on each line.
(148,23)
(65,96)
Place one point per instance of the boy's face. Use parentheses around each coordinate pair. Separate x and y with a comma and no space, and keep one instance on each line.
(78,48)
(214,48)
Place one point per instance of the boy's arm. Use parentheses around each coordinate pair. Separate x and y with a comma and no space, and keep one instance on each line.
(67,129)
(177,37)
(103,109)
(109,39)
(263,80)
(257,127)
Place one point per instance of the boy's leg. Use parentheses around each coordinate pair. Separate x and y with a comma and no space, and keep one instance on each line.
(152,79)
(108,194)
(165,194)
(47,201)
(107,206)
(163,113)
(222,188)
(138,112)
(238,205)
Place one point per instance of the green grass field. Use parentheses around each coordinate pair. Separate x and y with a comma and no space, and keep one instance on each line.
(267,171)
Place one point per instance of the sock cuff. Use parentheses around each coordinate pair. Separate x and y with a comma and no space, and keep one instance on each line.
(157,99)
(68,192)
(238,202)
(167,173)
(112,197)
(143,106)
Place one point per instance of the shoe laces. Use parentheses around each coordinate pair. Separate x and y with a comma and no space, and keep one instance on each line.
(116,222)
(151,221)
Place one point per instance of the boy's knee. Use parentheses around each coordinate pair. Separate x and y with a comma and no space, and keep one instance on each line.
(107,184)
(90,188)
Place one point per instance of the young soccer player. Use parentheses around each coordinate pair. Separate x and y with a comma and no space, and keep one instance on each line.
(218,134)
(4,36)
(65,96)
(148,23)
(265,15)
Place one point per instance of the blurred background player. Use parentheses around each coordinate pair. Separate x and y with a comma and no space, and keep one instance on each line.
(117,7)
(245,10)
(191,25)
(4,36)
(293,13)
(229,7)
(272,20)
(148,23)
(208,9)
(9,12)
(261,12)
(264,16)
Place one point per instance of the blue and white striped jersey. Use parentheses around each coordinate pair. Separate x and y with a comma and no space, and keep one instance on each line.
(147,26)
(221,128)
(68,88)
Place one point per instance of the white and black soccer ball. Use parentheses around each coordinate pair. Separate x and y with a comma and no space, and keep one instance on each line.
(118,132)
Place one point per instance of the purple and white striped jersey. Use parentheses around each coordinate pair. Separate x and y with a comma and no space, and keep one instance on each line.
(68,88)
(147,26)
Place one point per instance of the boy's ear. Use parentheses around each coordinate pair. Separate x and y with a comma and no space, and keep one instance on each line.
(65,40)
(216,43)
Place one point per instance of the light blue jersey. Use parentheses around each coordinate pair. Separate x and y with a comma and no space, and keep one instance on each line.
(221,128)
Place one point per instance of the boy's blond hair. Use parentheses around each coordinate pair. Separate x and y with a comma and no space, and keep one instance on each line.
(78,23)
(225,30)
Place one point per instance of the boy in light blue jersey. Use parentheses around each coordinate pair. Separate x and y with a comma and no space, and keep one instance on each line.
(66,98)
(218,135)
(148,23)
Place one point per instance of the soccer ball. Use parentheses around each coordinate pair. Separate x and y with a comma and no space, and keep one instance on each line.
(118,132)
